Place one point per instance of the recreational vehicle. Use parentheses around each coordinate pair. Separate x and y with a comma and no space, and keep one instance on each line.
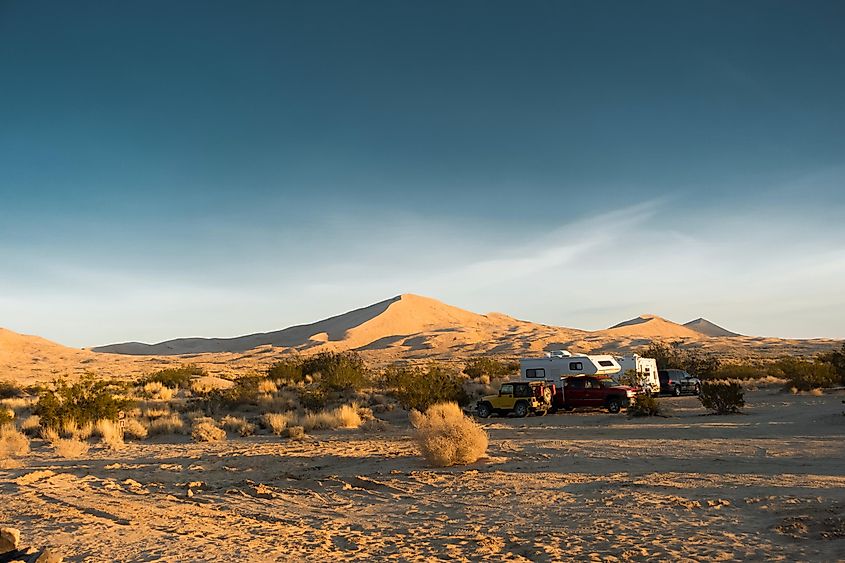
(646,372)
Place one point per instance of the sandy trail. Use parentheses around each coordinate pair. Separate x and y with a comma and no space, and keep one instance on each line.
(588,485)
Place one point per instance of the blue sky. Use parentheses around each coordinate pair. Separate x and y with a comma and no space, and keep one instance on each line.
(178,169)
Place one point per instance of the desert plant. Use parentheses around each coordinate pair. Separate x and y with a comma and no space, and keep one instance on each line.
(674,357)
(287,370)
(238,425)
(267,386)
(158,391)
(175,377)
(337,371)
(446,437)
(491,368)
(348,416)
(31,424)
(10,390)
(110,433)
(88,400)
(644,405)
(277,422)
(313,398)
(295,432)
(721,397)
(417,388)
(70,448)
(134,428)
(170,424)
(12,442)
(804,375)
(7,416)
(206,430)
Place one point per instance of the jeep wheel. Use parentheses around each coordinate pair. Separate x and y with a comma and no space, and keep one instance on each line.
(484,410)
(676,390)
(614,406)
(521,409)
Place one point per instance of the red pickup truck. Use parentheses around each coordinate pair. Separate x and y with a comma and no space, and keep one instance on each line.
(586,391)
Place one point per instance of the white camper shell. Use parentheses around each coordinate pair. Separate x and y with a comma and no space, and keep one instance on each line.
(559,364)
(646,371)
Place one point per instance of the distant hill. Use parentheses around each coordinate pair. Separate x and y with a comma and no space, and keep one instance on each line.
(652,326)
(707,328)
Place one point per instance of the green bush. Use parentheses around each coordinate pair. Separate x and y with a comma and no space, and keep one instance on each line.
(244,392)
(287,370)
(673,356)
(10,390)
(721,397)
(313,398)
(7,416)
(740,371)
(175,377)
(337,371)
(803,374)
(645,405)
(491,367)
(418,388)
(88,400)
(836,359)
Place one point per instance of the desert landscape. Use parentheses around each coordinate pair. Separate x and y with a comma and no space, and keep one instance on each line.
(763,485)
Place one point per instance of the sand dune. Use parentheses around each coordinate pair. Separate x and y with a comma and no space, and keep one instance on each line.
(709,329)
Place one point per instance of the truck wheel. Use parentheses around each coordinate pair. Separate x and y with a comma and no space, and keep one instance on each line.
(614,406)
(676,390)
(521,409)
(697,389)
(484,410)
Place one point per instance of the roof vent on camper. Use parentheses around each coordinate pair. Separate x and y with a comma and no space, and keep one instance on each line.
(558,354)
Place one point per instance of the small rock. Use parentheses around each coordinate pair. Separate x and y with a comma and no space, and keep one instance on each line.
(10,539)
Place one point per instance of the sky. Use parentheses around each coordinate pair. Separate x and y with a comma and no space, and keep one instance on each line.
(174,169)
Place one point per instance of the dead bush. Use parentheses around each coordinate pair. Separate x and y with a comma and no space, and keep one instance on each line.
(238,425)
(158,391)
(12,443)
(277,422)
(446,437)
(135,429)
(109,433)
(70,448)
(206,430)
(31,425)
(170,424)
(295,432)
(721,397)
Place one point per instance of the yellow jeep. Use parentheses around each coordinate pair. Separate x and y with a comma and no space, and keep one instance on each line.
(518,397)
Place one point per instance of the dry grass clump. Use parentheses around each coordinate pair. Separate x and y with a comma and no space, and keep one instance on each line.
(416,418)
(267,386)
(135,429)
(170,424)
(347,416)
(12,443)
(238,425)
(109,433)
(156,411)
(295,432)
(31,425)
(158,391)
(816,392)
(206,430)
(446,437)
(277,422)
(70,448)
(50,435)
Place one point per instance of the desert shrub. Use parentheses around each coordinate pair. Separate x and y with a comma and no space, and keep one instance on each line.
(348,416)
(836,359)
(12,442)
(313,398)
(70,448)
(7,416)
(721,397)
(337,371)
(175,377)
(295,432)
(238,425)
(287,370)
(417,388)
(134,428)
(109,433)
(170,424)
(645,405)
(674,357)
(10,390)
(804,375)
(740,371)
(446,437)
(155,411)
(49,435)
(244,392)
(206,430)
(267,386)
(492,368)
(84,431)
(88,400)
(277,422)
(31,424)
(158,391)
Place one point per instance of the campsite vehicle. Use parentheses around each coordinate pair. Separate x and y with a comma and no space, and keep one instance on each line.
(557,365)
(589,391)
(677,381)
(518,397)
(645,372)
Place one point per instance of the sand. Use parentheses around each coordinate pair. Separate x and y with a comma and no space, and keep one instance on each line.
(766,485)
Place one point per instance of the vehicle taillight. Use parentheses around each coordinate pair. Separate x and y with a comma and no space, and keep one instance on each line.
(670,382)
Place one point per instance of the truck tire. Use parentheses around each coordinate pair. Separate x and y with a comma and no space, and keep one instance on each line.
(614,405)
(484,410)
(521,409)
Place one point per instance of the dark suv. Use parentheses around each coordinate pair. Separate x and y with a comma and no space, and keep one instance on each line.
(677,382)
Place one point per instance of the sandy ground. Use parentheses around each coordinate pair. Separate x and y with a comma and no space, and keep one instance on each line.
(766,485)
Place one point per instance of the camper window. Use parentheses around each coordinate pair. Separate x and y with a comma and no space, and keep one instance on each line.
(576,366)
(605,363)
(536,373)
